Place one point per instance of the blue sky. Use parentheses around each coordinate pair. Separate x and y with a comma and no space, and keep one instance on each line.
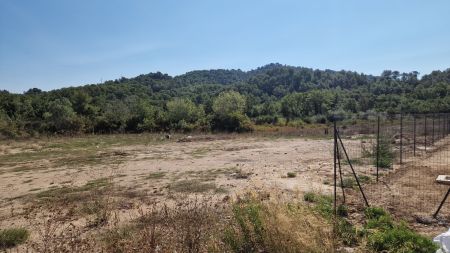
(57,43)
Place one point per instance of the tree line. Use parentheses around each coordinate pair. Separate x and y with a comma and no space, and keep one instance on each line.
(220,100)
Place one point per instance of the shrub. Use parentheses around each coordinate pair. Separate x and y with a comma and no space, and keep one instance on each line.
(324,203)
(364,179)
(233,122)
(291,174)
(386,153)
(189,225)
(375,212)
(342,210)
(309,197)
(346,232)
(400,239)
(383,222)
(12,237)
(267,119)
(383,235)
(348,182)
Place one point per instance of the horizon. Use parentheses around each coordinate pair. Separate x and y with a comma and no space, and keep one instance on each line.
(243,70)
(52,45)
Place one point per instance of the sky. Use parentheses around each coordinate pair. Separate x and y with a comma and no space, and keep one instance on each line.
(51,44)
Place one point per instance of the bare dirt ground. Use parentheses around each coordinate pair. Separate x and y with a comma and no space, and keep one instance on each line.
(231,163)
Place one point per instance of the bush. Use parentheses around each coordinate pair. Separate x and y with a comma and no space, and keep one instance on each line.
(348,182)
(342,210)
(266,119)
(400,239)
(346,232)
(291,174)
(234,122)
(324,203)
(12,237)
(309,197)
(383,235)
(375,212)
(386,154)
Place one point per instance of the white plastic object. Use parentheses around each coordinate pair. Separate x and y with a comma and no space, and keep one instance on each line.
(443,179)
(443,240)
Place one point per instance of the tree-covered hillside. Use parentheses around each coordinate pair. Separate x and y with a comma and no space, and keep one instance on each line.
(231,100)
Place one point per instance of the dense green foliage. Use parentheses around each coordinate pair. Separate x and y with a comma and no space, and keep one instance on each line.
(273,94)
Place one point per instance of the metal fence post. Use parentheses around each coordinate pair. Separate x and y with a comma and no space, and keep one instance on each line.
(448,124)
(378,145)
(351,167)
(425,133)
(334,163)
(401,138)
(414,134)
(432,129)
(338,154)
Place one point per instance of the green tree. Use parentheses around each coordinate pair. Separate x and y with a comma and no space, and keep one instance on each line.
(293,106)
(229,114)
(61,118)
(227,103)
(183,114)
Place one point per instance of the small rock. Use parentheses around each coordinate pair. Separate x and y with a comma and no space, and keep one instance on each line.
(425,220)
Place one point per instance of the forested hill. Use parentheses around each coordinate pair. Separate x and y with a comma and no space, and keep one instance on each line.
(231,100)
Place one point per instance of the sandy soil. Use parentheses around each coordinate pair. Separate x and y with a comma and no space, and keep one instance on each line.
(265,161)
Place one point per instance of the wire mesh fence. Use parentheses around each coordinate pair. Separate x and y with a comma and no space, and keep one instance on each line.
(396,160)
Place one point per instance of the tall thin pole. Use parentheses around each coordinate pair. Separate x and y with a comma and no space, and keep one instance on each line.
(425,133)
(335,172)
(432,131)
(401,138)
(378,145)
(340,172)
(414,135)
(448,125)
(353,170)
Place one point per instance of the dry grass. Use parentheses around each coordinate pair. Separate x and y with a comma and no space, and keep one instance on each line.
(251,223)
(192,186)
(189,226)
(201,225)
(277,226)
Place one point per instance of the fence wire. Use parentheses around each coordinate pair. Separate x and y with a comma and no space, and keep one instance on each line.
(397,159)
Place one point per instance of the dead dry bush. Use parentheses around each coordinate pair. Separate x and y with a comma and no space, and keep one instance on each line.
(55,235)
(188,226)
